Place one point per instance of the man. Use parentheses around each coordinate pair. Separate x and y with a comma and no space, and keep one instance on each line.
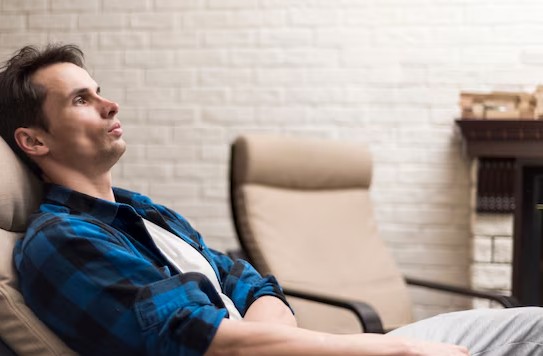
(112,273)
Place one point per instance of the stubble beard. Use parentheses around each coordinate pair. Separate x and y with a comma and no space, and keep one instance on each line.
(108,158)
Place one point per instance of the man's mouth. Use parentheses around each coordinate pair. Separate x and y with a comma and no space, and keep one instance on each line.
(116,129)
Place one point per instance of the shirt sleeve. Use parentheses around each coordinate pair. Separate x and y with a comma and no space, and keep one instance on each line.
(101,296)
(239,280)
(243,284)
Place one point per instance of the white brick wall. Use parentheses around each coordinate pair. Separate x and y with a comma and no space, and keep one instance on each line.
(190,75)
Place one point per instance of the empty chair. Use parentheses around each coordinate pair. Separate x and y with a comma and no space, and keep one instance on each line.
(302,211)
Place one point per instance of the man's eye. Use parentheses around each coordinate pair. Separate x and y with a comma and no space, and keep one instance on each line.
(79,100)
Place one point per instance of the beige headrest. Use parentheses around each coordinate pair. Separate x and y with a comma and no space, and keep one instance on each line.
(275,161)
(20,194)
(20,191)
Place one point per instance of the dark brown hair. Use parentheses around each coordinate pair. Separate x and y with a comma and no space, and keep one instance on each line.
(21,100)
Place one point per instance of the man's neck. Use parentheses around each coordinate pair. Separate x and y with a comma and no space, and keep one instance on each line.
(98,186)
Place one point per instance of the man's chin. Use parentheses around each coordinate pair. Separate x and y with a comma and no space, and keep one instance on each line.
(114,154)
(123,145)
(120,149)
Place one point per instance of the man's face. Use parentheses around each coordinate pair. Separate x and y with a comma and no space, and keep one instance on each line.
(84,133)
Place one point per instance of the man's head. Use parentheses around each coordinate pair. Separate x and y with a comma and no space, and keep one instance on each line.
(20,98)
(52,114)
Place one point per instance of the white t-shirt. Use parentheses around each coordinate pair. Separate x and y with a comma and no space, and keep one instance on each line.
(187,259)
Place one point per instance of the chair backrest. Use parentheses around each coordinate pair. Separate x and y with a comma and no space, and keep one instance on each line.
(20,193)
(302,211)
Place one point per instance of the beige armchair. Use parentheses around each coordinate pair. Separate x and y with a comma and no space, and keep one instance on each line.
(20,329)
(302,211)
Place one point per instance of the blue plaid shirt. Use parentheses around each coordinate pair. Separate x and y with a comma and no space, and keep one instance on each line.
(89,269)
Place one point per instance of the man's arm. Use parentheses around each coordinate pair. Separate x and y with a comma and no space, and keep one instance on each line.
(270,309)
(256,338)
(241,282)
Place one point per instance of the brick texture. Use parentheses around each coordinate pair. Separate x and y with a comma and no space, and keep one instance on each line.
(191,75)
(27,5)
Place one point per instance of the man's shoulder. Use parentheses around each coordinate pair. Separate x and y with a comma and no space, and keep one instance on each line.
(61,222)
(48,214)
(46,231)
(47,225)
(50,232)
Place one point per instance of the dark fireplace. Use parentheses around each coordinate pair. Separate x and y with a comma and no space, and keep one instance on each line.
(510,180)
(495,185)
(528,233)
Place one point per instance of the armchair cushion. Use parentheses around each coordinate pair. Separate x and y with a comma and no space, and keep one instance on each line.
(20,193)
(329,256)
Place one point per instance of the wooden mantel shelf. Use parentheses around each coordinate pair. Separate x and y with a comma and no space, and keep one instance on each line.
(502,138)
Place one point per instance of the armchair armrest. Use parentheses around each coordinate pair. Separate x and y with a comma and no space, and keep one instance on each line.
(504,300)
(366,315)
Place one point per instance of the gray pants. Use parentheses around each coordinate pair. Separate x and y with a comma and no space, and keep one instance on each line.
(513,332)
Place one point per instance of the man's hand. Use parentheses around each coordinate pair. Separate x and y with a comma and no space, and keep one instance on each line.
(270,309)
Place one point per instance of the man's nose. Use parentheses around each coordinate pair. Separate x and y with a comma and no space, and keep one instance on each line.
(109,108)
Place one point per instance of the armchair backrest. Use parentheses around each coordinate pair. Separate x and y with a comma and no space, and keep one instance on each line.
(303,212)
(20,194)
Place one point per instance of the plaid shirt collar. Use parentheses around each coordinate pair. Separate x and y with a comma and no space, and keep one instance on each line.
(101,209)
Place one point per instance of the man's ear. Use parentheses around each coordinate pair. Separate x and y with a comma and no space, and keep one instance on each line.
(30,140)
